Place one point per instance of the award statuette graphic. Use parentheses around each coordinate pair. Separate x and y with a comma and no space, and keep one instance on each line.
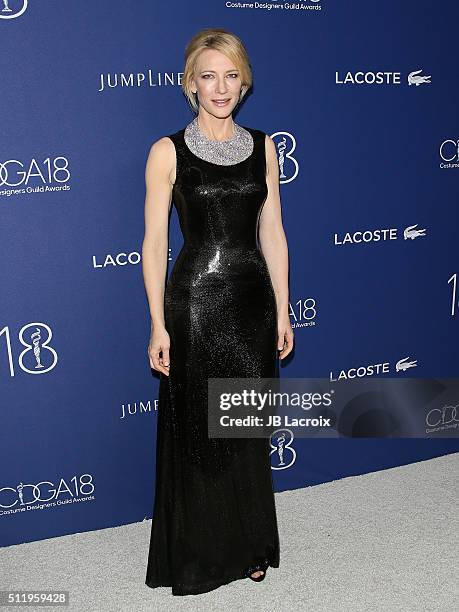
(8,13)
(285,146)
(281,147)
(36,337)
(280,448)
(19,489)
(282,440)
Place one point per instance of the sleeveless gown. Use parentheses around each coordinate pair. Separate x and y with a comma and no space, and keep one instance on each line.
(214,517)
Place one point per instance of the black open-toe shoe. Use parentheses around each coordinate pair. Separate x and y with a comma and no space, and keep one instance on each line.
(258,578)
(260,565)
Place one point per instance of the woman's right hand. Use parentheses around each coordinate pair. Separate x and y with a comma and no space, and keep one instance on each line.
(158,351)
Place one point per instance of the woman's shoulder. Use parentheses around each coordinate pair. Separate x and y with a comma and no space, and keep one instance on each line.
(258,134)
(174,136)
(162,144)
(162,153)
(167,141)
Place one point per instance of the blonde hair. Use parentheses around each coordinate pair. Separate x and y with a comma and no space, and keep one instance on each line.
(221,40)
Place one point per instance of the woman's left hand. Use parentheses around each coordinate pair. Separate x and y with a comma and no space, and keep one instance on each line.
(284,337)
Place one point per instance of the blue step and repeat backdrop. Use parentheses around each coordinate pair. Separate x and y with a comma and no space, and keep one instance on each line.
(361,101)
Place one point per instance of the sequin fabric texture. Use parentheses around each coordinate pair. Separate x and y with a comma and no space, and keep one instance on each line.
(214,517)
(225,152)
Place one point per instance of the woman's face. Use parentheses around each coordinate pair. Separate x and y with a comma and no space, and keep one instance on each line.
(217,82)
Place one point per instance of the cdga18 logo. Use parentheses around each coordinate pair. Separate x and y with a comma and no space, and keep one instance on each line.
(15,173)
(46,491)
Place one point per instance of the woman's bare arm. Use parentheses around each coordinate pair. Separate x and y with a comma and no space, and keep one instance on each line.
(273,243)
(159,180)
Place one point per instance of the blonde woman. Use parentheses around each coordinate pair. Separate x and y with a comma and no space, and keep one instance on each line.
(223,313)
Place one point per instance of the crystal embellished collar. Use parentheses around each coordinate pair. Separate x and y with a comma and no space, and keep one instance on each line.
(225,152)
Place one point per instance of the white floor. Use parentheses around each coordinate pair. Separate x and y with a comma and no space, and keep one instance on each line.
(386,541)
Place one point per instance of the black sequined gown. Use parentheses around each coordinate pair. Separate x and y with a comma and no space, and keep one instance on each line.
(214,518)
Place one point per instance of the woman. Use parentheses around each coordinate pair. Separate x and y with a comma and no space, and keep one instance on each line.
(224,313)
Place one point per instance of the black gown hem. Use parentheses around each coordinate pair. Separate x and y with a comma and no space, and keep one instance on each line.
(203,587)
